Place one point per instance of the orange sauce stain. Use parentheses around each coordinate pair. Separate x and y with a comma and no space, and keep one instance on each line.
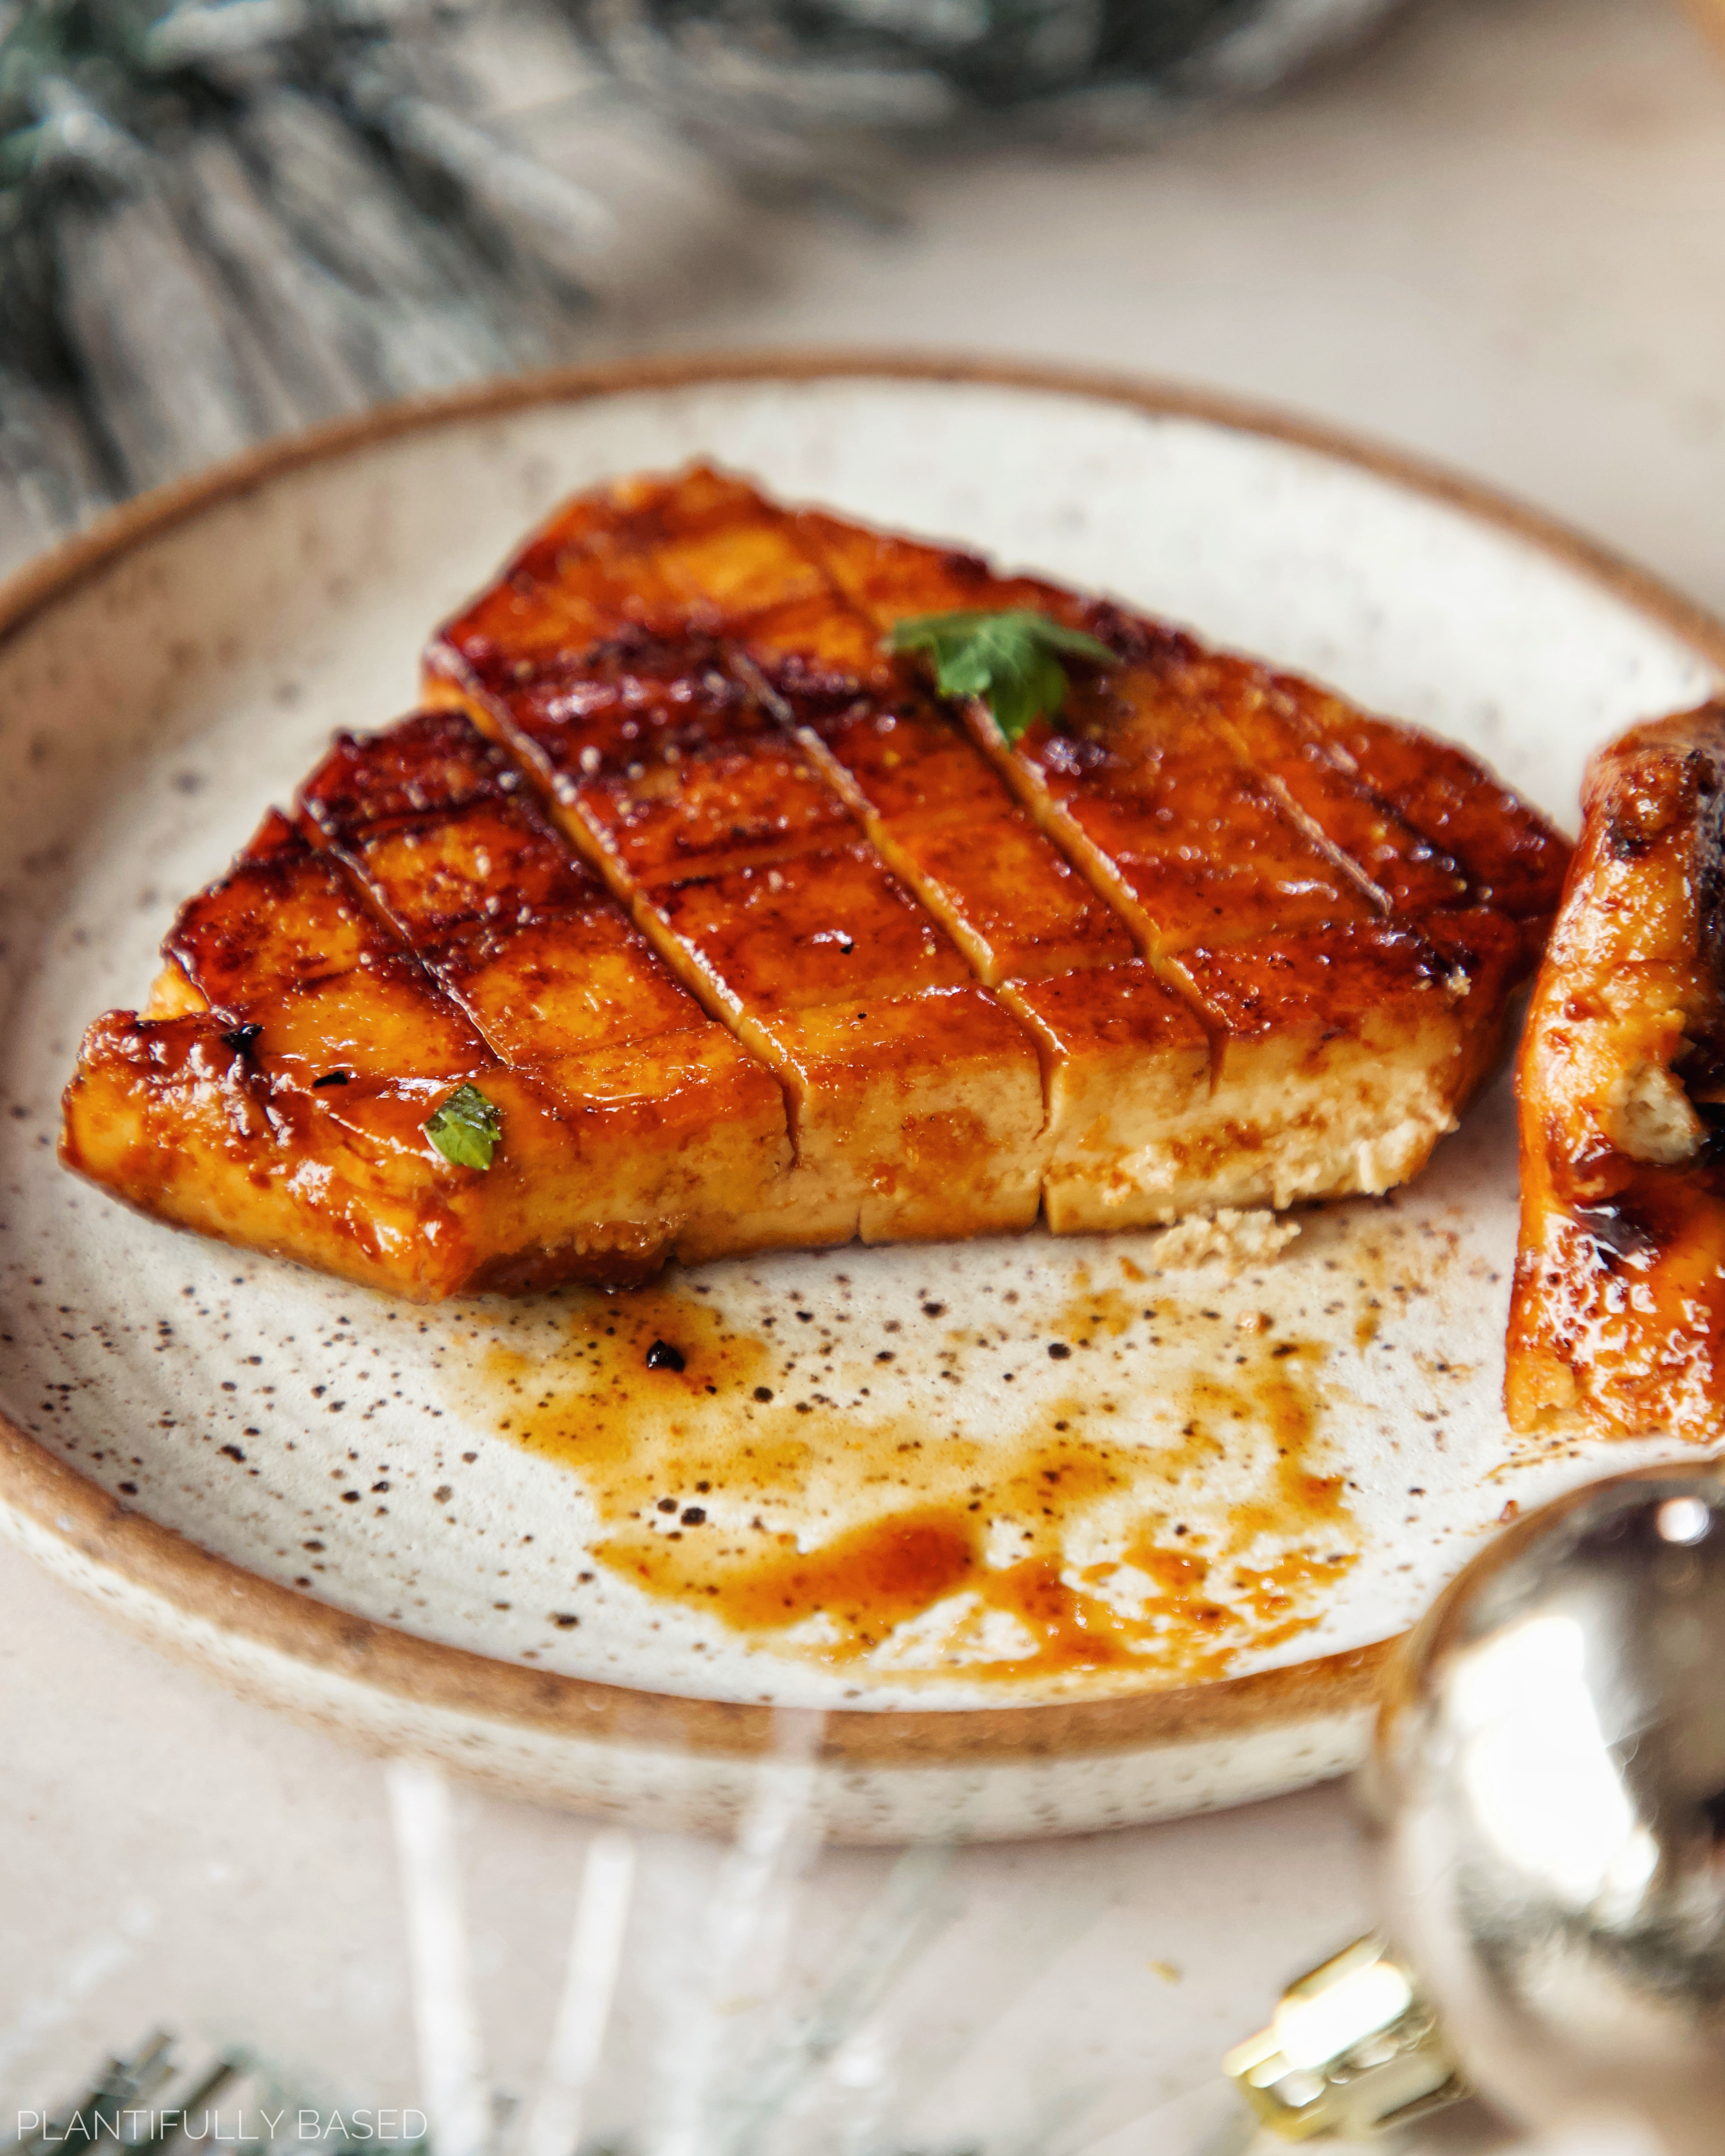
(1162,1527)
(865,1581)
(1071,1629)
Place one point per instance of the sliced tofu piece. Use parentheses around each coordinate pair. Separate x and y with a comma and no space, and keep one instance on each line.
(1617,1321)
(1342,1054)
(679,1132)
(1254,833)
(865,741)
(756,942)
(723,832)
(1124,1061)
(1128,1077)
(437,932)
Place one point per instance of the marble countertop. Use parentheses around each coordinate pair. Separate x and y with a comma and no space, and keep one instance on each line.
(1496,236)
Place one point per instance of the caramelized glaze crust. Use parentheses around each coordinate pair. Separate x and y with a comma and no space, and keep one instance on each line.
(756,942)
(1617,1326)
(421,924)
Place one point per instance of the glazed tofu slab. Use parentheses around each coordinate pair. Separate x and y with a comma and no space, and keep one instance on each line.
(1617,1324)
(736,935)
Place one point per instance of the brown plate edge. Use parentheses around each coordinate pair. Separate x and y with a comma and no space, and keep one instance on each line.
(163,1566)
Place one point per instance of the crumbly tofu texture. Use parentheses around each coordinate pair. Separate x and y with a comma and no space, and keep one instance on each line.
(757,943)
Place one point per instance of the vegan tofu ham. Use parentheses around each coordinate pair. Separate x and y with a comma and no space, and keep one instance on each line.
(744,938)
(1617,1321)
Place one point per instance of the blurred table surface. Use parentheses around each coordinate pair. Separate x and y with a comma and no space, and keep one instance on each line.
(1498,236)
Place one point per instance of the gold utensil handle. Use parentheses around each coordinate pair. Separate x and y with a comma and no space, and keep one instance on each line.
(1354,2049)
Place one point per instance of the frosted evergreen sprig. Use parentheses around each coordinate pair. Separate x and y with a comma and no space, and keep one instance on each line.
(221,218)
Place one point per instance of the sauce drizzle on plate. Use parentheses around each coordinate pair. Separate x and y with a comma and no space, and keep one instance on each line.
(1155,1518)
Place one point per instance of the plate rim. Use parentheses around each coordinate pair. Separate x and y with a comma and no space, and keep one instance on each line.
(42,1492)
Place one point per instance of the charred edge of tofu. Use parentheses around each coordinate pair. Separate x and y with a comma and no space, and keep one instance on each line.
(1617,1318)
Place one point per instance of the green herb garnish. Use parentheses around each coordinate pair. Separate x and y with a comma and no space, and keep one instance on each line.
(1012,660)
(467,1129)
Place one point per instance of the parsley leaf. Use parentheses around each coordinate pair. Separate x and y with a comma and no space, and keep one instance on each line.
(467,1129)
(1011,660)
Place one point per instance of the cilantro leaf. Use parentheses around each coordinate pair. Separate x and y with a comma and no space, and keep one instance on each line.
(1010,660)
(466,1129)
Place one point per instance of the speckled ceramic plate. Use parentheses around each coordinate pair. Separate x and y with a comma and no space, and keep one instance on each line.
(1053,1532)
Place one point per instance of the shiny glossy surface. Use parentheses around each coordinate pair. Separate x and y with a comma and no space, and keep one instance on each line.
(1191,800)
(1551,1778)
(1618,1323)
(1354,2049)
(419,925)
(849,968)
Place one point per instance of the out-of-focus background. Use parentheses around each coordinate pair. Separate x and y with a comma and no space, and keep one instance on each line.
(1485,229)
(1491,230)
